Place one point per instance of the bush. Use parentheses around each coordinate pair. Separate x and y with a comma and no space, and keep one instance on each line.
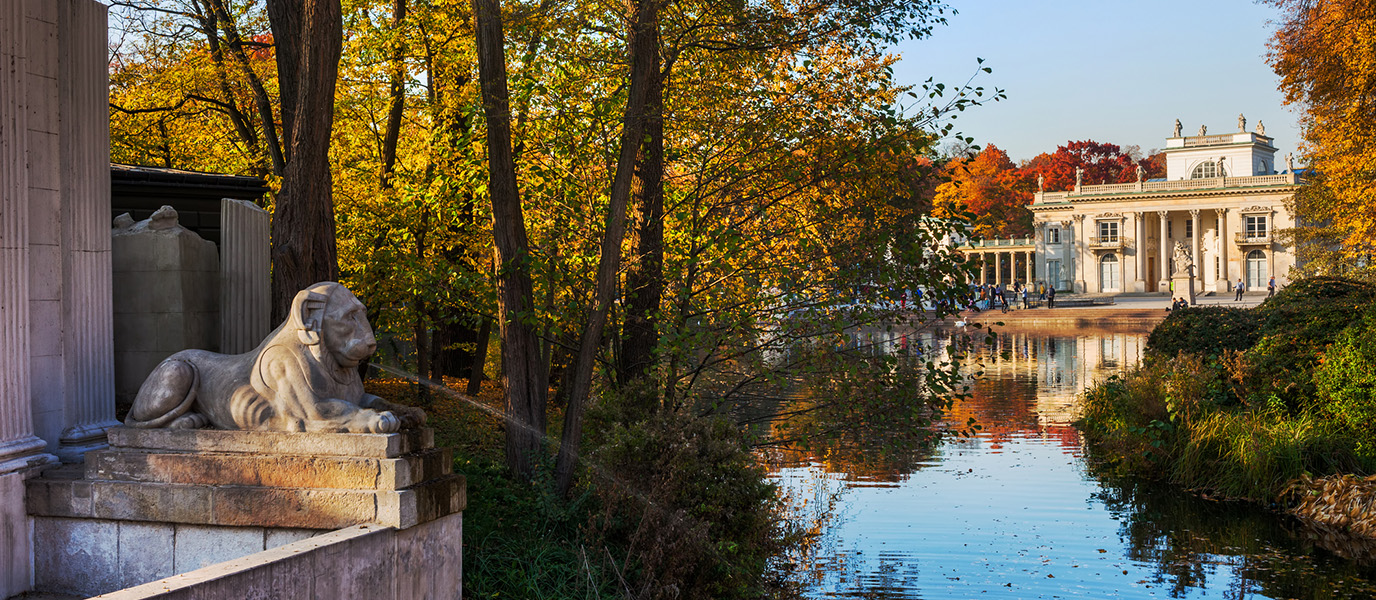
(691,506)
(1345,382)
(1297,325)
(1205,330)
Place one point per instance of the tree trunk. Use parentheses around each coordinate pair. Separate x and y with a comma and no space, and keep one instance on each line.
(644,52)
(303,226)
(398,98)
(645,278)
(475,375)
(523,375)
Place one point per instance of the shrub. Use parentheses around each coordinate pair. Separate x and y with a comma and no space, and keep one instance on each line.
(1297,325)
(1204,330)
(691,506)
(1345,382)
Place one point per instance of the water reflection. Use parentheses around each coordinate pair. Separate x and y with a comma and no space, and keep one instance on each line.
(1016,511)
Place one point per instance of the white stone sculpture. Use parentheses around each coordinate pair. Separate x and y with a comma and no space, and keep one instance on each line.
(1177,129)
(1041,182)
(1079,174)
(1140,173)
(1183,258)
(303,377)
(1261,128)
(1289,162)
(1203,129)
(1241,122)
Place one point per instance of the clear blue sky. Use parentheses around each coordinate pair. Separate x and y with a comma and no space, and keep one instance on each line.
(1108,70)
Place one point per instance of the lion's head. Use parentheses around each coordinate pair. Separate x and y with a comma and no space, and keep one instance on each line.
(329,319)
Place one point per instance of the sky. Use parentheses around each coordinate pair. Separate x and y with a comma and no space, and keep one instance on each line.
(1116,71)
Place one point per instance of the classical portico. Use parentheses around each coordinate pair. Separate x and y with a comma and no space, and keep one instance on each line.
(1221,197)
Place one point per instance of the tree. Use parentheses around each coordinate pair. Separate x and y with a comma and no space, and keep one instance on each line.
(1325,55)
(990,187)
(308,35)
(1102,163)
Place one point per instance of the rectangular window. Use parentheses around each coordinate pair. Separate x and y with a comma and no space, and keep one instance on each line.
(1170,230)
(1218,269)
(1189,229)
(1108,231)
(1053,235)
(1256,226)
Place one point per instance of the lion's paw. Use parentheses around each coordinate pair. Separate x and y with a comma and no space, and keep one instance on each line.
(385,422)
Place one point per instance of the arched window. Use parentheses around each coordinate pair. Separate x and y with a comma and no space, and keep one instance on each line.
(1206,169)
(1108,273)
(1256,270)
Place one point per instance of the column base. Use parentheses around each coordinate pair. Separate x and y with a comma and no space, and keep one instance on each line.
(1139,286)
(1079,286)
(24,454)
(77,440)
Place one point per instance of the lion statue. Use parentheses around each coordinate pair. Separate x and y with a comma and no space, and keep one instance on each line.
(303,377)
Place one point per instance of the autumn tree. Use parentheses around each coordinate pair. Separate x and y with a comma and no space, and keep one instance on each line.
(1102,163)
(1325,55)
(991,188)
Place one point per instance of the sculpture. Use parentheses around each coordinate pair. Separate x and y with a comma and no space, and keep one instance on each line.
(303,377)
(1140,173)
(1183,258)
(1241,122)
(1203,129)
(1289,162)
(1041,182)
(1177,129)
(1079,173)
(1261,128)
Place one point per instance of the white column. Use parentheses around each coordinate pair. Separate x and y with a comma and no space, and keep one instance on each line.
(87,314)
(1080,247)
(19,447)
(244,302)
(998,268)
(1039,245)
(1222,285)
(1029,258)
(1140,248)
(1163,251)
(1194,250)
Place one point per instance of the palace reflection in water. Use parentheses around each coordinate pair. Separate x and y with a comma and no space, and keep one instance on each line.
(1018,511)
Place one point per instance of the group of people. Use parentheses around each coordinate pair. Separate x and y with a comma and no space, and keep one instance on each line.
(1241,287)
(995,296)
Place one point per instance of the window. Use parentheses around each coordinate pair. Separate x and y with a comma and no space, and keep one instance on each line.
(1108,231)
(1256,270)
(1256,226)
(1170,230)
(1189,229)
(1206,169)
(1218,268)
(1108,273)
(1053,235)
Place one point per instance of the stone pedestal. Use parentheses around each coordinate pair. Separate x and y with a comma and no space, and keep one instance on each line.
(231,493)
(1184,285)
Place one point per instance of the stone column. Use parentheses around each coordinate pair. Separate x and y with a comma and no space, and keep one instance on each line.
(1222,285)
(1039,242)
(998,268)
(1163,251)
(1140,248)
(245,317)
(87,314)
(1194,250)
(19,447)
(1079,245)
(1030,257)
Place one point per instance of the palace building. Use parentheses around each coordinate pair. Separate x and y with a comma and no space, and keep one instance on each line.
(1222,196)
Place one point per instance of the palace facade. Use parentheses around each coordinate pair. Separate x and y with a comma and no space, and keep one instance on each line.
(1222,197)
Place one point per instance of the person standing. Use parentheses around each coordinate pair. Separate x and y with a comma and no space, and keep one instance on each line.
(1240,287)
(1271,287)
(1051,296)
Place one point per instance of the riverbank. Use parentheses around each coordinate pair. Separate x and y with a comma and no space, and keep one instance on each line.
(1268,405)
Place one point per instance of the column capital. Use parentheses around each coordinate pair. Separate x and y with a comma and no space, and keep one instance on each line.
(1163,213)
(1221,212)
(1194,213)
(1078,218)
(1066,223)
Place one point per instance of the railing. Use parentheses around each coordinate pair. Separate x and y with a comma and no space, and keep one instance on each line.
(1108,241)
(1252,239)
(1112,188)
(1002,243)
(1205,183)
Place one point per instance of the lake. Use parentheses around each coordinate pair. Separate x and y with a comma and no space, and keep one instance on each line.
(1018,511)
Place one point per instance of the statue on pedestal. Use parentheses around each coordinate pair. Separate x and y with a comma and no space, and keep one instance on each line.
(1183,258)
(303,377)
(1203,129)
(1079,174)
(1177,129)
(1241,122)
(1140,173)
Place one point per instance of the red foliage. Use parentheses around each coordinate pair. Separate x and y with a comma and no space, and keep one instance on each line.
(1102,163)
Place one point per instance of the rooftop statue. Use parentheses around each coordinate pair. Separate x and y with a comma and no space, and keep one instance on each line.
(1203,129)
(1241,122)
(303,377)
(1177,129)
(1261,128)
